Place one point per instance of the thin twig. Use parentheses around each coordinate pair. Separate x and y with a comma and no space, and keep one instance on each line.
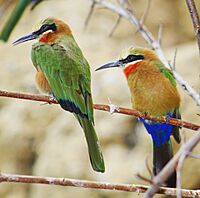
(194,155)
(170,167)
(89,15)
(195,19)
(146,12)
(42,98)
(115,26)
(147,35)
(173,66)
(148,167)
(141,177)
(91,184)
(178,174)
(160,31)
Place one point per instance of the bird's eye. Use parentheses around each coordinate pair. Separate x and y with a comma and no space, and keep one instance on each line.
(47,27)
(44,27)
(130,58)
(53,27)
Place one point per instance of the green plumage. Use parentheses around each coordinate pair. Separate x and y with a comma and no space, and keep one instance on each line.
(166,72)
(68,75)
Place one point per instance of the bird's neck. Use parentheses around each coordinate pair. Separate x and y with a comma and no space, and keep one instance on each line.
(45,38)
(130,68)
(62,31)
(51,37)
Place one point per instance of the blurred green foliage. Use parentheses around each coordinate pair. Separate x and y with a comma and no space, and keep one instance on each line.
(15,17)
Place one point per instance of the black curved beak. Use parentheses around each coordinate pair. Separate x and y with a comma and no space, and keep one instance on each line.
(36,34)
(130,58)
(110,65)
(25,38)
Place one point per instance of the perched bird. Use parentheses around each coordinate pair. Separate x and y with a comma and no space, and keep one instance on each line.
(153,92)
(63,71)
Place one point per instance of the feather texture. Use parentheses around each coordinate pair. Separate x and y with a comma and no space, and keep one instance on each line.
(67,72)
(153,91)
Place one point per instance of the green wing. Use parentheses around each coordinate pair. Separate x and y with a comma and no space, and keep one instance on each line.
(68,75)
(176,114)
(166,72)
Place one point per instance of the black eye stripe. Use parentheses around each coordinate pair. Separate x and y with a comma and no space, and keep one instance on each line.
(46,27)
(131,58)
(53,27)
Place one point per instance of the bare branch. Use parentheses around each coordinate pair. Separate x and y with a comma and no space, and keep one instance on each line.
(160,31)
(171,166)
(194,155)
(173,66)
(115,26)
(139,176)
(42,98)
(178,176)
(155,44)
(89,15)
(195,19)
(148,167)
(146,12)
(91,184)
(121,2)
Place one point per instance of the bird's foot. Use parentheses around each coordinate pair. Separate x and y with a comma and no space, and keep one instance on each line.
(167,118)
(112,106)
(51,96)
(51,99)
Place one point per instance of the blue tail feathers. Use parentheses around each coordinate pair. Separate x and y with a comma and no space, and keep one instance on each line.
(160,132)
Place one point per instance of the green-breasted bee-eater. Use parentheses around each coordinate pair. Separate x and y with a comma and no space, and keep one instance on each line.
(63,71)
(153,91)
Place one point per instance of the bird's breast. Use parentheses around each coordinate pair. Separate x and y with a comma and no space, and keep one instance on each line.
(152,92)
(42,83)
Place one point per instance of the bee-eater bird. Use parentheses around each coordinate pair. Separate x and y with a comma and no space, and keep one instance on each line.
(63,71)
(153,92)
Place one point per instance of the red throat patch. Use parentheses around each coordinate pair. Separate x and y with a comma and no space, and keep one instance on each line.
(130,68)
(44,38)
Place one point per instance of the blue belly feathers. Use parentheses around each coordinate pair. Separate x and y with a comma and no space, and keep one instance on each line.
(160,132)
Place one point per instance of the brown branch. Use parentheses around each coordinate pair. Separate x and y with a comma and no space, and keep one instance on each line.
(91,184)
(171,166)
(42,98)
(195,19)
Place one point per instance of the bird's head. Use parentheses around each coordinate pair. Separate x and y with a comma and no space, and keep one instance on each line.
(47,27)
(130,62)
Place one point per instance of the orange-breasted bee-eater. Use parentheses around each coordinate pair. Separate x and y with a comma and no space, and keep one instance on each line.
(153,91)
(63,71)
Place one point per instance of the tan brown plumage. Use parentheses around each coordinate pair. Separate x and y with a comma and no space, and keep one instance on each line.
(42,83)
(151,91)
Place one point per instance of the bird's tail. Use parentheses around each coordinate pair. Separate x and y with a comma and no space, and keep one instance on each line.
(161,155)
(94,148)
